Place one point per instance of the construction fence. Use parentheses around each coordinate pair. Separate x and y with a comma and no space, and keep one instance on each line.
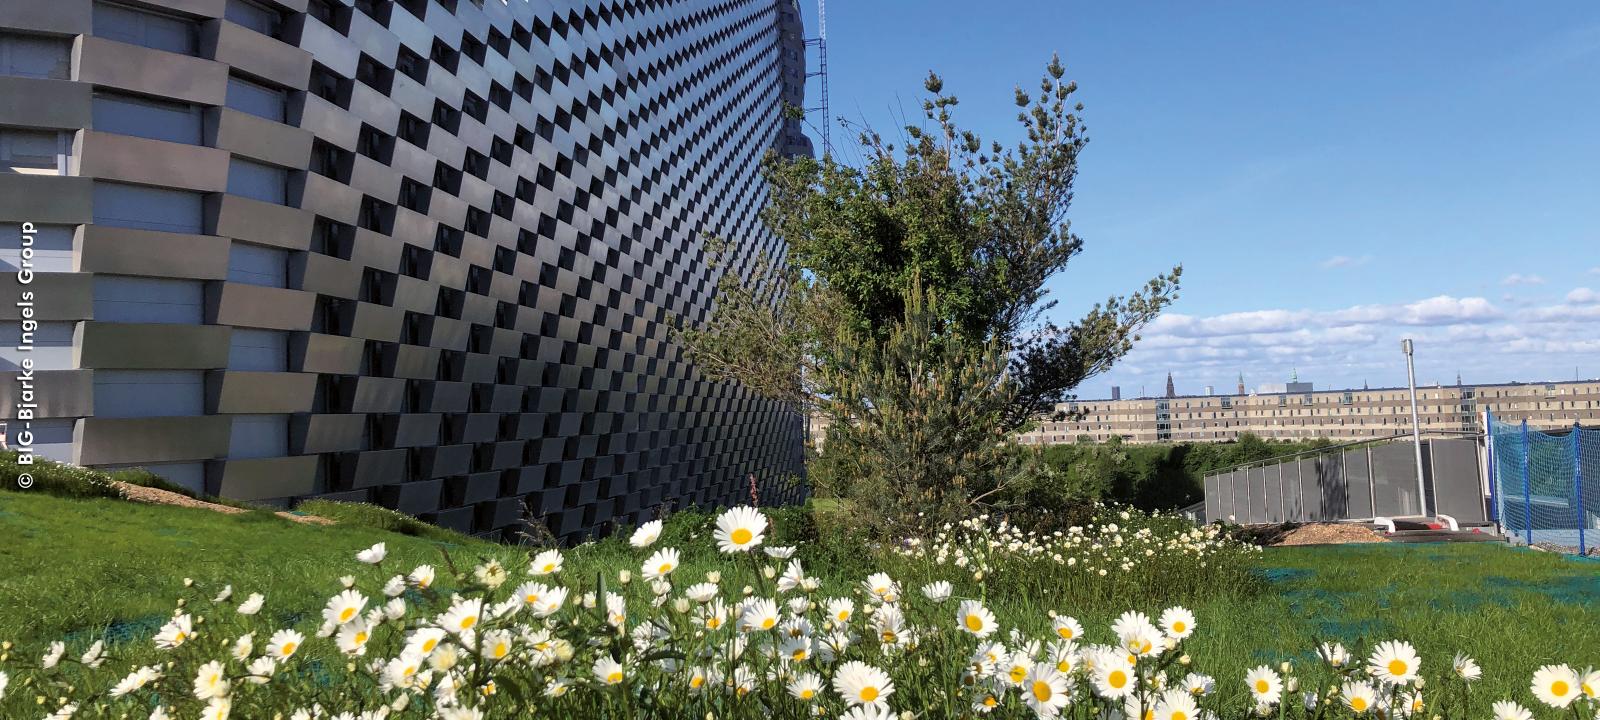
(1353,482)
(1545,484)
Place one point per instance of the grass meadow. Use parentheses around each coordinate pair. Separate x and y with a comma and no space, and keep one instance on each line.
(84,571)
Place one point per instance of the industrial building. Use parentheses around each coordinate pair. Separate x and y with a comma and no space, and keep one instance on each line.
(424,253)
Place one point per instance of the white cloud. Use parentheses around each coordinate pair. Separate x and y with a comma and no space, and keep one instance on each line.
(1483,341)
(1345,261)
(1594,270)
(1583,296)
(1520,279)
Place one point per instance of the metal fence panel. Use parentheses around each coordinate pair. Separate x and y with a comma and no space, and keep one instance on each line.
(1290,472)
(1308,497)
(1258,494)
(1394,480)
(1241,496)
(1273,476)
(1213,498)
(1457,487)
(1358,482)
(1333,498)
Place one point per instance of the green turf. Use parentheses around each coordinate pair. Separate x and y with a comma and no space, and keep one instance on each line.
(86,568)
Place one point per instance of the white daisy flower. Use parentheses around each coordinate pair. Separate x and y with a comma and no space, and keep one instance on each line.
(646,534)
(344,607)
(176,632)
(373,555)
(937,591)
(1360,697)
(462,616)
(252,604)
(740,529)
(607,670)
(1394,662)
(1178,623)
(284,643)
(660,564)
(1556,685)
(974,618)
(862,684)
(805,686)
(546,563)
(210,682)
(1507,710)
(1265,685)
(422,576)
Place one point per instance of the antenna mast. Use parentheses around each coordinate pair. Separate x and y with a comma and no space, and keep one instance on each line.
(821,43)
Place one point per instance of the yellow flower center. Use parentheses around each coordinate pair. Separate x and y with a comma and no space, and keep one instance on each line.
(1064,632)
(767,623)
(974,623)
(696,681)
(1065,666)
(1017,673)
(530,598)
(1397,667)
(614,677)
(1179,626)
(1117,679)
(1178,715)
(1358,704)
(500,650)
(665,568)
(179,638)
(798,654)
(549,567)
(1587,689)
(468,621)
(428,645)
(807,694)
(361,638)
(346,614)
(844,617)
(1042,691)
(990,701)
(1262,686)
(713,622)
(889,637)
(869,694)
(741,536)
(1560,688)
(288,648)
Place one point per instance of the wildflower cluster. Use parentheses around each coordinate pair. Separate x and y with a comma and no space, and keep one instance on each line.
(1121,555)
(757,637)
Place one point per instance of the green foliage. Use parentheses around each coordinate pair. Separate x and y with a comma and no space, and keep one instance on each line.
(925,417)
(1153,477)
(379,518)
(910,308)
(71,481)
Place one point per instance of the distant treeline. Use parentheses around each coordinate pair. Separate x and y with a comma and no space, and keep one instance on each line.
(1161,476)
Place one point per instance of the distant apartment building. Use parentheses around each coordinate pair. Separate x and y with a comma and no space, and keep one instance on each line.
(1293,411)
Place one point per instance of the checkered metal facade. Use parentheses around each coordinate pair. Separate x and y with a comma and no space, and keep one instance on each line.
(422,253)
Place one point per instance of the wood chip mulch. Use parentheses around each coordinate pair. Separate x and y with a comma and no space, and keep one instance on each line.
(157,496)
(1330,534)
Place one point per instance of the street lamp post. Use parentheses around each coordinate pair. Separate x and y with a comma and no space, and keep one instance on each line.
(1416,427)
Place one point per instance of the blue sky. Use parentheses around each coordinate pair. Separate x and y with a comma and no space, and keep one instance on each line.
(1333,176)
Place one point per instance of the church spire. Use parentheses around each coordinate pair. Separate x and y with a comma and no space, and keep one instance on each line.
(1170,391)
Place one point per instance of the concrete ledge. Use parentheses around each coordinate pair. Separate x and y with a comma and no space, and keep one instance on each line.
(32,102)
(263,478)
(151,253)
(236,392)
(153,346)
(118,441)
(152,72)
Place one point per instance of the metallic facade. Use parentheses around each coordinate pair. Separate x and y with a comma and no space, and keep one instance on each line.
(424,253)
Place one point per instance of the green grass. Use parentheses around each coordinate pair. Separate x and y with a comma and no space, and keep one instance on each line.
(87,568)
